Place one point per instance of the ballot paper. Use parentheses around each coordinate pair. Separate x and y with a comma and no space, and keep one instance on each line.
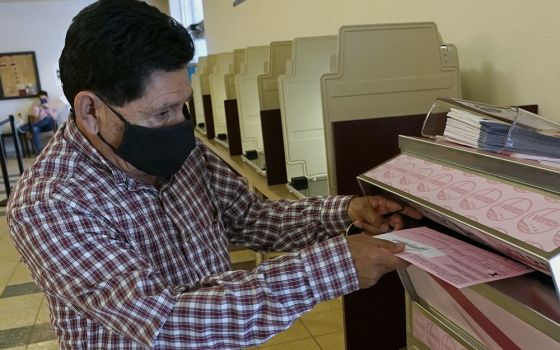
(529,133)
(472,130)
(454,261)
(533,141)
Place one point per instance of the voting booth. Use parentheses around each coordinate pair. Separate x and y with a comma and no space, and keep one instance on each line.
(217,86)
(384,71)
(302,115)
(271,126)
(248,105)
(384,81)
(496,202)
(196,105)
(201,95)
(233,133)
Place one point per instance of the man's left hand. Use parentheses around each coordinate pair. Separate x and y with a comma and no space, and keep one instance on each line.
(367,214)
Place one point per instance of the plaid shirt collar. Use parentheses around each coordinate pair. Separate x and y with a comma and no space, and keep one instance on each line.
(86,149)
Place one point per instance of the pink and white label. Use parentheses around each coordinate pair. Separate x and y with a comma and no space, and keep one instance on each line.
(431,334)
(527,216)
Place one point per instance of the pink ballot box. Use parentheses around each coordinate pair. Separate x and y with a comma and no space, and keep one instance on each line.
(490,202)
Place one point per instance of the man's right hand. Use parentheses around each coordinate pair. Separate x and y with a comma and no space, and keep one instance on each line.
(373,258)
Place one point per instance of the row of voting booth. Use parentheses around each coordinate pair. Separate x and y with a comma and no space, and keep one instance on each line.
(315,113)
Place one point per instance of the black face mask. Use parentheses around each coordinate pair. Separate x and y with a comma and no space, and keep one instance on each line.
(156,151)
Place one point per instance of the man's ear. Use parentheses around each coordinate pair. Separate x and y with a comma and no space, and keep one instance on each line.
(87,109)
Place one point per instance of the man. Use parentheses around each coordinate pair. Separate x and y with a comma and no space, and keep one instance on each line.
(125,220)
(44,116)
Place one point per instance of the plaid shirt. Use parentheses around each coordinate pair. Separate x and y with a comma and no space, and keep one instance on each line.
(125,265)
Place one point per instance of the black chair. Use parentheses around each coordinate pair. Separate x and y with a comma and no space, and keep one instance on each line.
(26,139)
(3,166)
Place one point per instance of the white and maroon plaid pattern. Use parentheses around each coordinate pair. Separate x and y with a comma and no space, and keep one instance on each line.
(127,266)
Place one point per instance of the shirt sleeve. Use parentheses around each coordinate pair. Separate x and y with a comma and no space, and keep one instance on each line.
(36,112)
(78,258)
(239,309)
(52,111)
(265,225)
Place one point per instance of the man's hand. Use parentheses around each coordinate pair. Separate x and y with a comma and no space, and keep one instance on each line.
(373,258)
(367,214)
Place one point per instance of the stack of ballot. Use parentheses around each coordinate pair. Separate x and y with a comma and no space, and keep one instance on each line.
(529,137)
(469,129)
(543,143)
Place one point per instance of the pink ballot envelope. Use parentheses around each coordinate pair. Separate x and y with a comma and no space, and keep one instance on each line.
(456,262)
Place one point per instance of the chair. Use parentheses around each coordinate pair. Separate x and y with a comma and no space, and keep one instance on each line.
(5,175)
(26,141)
(27,138)
(22,140)
(27,144)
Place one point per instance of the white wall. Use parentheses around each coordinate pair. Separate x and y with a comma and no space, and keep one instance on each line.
(175,10)
(41,27)
(509,50)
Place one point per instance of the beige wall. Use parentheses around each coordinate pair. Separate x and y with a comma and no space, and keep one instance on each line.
(509,50)
(162,5)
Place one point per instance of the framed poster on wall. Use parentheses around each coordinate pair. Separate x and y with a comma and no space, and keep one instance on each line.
(19,77)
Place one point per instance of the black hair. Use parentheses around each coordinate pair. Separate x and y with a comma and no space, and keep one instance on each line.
(113,46)
(43,92)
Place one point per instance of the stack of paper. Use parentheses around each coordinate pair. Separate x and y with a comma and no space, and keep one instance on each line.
(526,140)
(469,129)
(507,130)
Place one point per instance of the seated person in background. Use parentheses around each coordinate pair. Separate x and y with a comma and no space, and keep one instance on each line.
(125,219)
(43,120)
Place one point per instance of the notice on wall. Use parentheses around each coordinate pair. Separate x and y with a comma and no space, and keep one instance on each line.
(454,261)
(18,76)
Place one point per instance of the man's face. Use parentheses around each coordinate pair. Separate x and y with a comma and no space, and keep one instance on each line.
(43,99)
(161,105)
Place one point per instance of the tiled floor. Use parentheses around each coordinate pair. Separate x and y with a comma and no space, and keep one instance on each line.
(24,314)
